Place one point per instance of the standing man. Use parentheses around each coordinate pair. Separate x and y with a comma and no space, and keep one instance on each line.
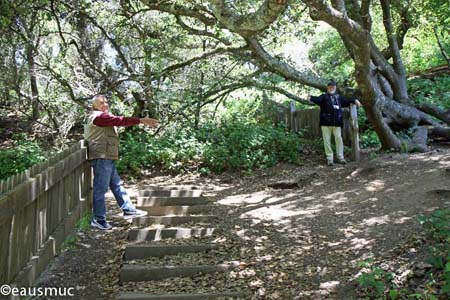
(103,150)
(331,120)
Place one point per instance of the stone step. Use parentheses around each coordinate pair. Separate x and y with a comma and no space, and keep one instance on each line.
(157,234)
(170,193)
(141,251)
(173,220)
(168,201)
(170,187)
(203,296)
(178,210)
(135,273)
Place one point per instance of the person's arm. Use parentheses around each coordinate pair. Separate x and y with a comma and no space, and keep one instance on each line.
(316,100)
(346,102)
(107,120)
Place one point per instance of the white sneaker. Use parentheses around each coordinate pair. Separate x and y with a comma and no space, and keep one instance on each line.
(134,212)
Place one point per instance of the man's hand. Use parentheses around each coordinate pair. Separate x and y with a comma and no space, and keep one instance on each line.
(358,103)
(149,122)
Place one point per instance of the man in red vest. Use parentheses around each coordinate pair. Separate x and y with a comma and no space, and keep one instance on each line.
(103,150)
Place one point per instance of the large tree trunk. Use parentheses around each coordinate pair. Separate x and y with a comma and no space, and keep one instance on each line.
(382,84)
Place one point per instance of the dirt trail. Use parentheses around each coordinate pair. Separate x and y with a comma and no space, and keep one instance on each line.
(305,243)
(301,243)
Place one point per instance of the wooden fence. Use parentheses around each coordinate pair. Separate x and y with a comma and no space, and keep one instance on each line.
(306,122)
(39,208)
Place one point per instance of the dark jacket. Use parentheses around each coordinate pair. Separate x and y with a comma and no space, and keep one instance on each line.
(331,108)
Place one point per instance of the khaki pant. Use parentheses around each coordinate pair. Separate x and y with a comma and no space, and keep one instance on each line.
(326,134)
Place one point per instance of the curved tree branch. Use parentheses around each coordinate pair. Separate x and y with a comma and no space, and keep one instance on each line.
(181,65)
(250,24)
(172,7)
(435,111)
(277,66)
(201,32)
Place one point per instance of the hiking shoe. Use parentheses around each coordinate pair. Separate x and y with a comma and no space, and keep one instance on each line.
(101,224)
(134,212)
(330,163)
(342,161)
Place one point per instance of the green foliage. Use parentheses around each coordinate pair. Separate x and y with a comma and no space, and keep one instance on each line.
(368,136)
(375,281)
(238,145)
(231,146)
(423,54)
(85,222)
(437,226)
(330,56)
(20,156)
(369,139)
(70,242)
(435,91)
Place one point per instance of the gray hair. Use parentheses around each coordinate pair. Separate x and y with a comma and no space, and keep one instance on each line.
(96,99)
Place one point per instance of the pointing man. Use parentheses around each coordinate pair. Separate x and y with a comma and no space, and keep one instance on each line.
(103,150)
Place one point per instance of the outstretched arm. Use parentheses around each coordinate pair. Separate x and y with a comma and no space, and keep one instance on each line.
(106,119)
(346,102)
(316,100)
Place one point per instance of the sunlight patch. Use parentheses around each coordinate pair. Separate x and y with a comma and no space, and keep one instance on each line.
(377,220)
(360,243)
(277,213)
(402,220)
(375,185)
(252,198)
(329,285)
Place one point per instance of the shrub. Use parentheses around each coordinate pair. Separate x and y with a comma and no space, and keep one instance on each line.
(22,155)
(229,146)
(435,91)
(438,228)
(369,139)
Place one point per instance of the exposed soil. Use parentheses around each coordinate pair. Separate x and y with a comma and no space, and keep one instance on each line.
(300,243)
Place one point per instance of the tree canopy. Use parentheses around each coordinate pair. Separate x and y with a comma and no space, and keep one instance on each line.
(178,60)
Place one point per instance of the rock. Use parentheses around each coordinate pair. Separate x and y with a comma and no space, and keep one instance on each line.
(419,273)
(423,266)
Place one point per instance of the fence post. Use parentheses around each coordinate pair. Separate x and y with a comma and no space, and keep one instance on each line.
(355,133)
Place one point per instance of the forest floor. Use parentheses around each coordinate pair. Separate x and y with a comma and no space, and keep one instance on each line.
(301,243)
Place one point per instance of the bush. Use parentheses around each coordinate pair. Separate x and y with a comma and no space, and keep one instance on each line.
(435,91)
(369,139)
(231,146)
(438,228)
(22,155)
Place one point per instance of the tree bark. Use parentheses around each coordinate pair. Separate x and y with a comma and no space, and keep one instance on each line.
(33,84)
(382,85)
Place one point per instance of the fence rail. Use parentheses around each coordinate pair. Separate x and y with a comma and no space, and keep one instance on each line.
(306,122)
(38,210)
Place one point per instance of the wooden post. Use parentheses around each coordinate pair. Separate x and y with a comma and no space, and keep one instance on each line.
(355,134)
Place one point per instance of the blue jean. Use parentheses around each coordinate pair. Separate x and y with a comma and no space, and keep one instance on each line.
(105,175)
